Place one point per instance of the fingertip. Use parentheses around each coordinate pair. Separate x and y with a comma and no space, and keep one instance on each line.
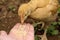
(30,25)
(3,33)
(16,26)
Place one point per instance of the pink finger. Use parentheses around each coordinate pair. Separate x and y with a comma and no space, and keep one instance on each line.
(30,34)
(3,33)
(16,26)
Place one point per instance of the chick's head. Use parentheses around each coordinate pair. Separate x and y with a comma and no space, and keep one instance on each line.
(23,12)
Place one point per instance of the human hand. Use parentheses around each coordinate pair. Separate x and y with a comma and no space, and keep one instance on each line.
(19,32)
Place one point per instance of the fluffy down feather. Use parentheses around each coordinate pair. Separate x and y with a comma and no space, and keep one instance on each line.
(40,9)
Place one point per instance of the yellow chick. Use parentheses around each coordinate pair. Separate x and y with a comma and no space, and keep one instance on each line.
(38,9)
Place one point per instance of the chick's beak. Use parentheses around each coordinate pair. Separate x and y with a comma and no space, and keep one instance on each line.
(24,16)
(22,19)
(21,15)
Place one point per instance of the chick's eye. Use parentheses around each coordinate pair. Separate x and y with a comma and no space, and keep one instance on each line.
(27,13)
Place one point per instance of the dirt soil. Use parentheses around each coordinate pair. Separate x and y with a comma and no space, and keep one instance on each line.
(8,17)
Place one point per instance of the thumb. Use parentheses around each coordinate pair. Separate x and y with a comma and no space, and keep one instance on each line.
(3,33)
